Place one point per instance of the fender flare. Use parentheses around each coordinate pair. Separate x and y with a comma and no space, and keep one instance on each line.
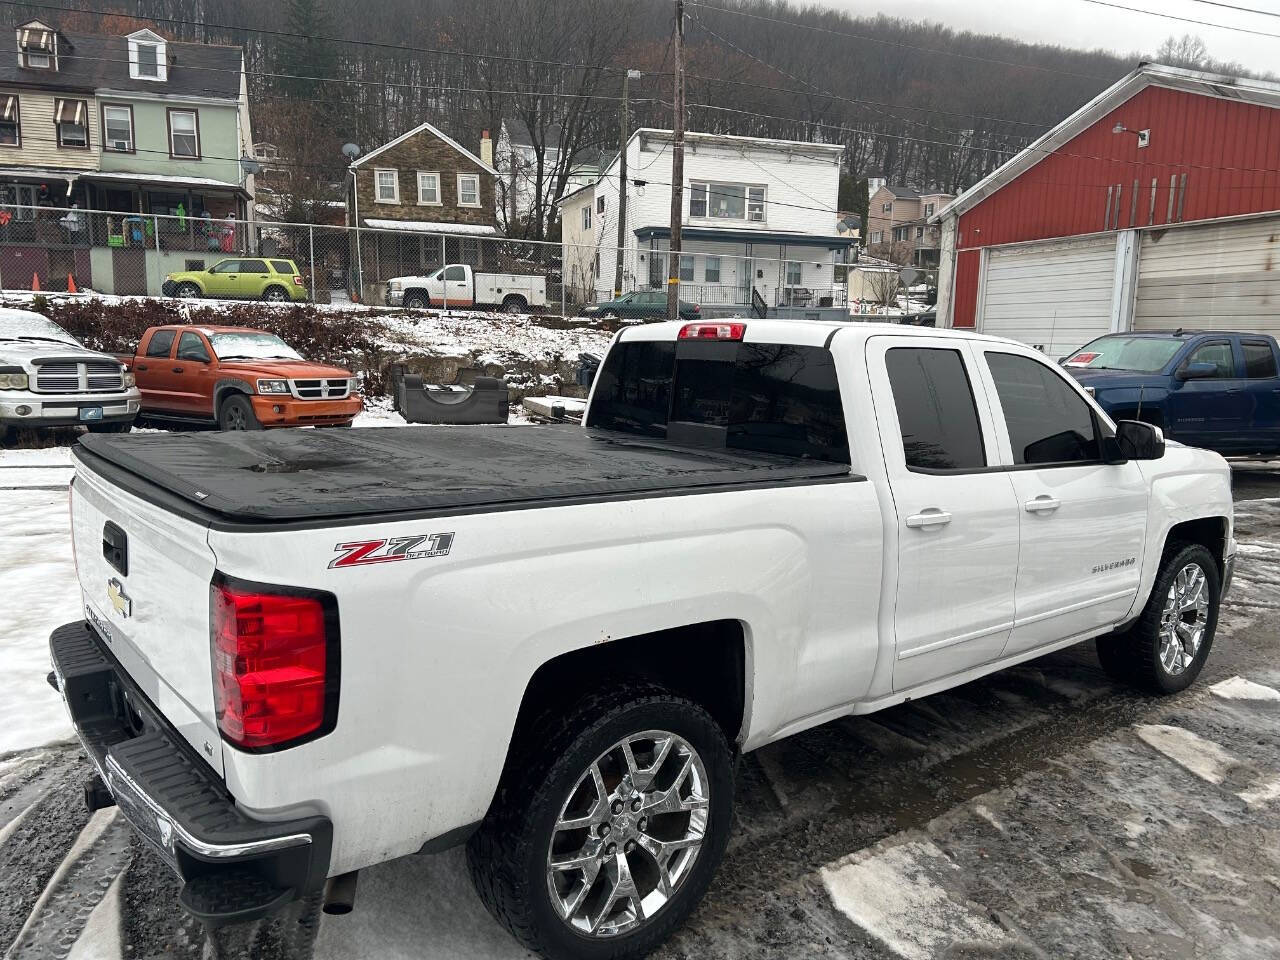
(225,385)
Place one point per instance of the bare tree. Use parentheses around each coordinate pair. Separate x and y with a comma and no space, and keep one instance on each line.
(882,287)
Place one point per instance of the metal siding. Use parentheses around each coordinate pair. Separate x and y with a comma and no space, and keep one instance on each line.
(966,295)
(1054,296)
(1218,277)
(1065,194)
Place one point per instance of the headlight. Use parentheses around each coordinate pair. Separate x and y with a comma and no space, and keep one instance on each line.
(273,386)
(13,381)
(130,380)
(396,285)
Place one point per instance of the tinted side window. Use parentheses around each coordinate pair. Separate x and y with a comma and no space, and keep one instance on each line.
(1219,354)
(1259,359)
(1048,421)
(160,344)
(253,266)
(282,266)
(227,266)
(936,409)
(455,273)
(633,391)
(191,347)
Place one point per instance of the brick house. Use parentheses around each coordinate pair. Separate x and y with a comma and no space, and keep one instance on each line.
(425,200)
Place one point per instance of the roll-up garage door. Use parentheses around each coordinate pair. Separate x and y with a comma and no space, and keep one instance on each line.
(1222,276)
(1054,295)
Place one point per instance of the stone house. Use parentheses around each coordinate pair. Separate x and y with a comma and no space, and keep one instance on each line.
(424,200)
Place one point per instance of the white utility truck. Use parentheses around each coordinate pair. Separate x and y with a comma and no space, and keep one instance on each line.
(457,285)
(304,652)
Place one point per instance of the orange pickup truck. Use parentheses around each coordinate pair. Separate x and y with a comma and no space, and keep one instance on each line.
(238,378)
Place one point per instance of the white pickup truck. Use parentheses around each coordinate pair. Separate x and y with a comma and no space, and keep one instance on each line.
(457,285)
(306,652)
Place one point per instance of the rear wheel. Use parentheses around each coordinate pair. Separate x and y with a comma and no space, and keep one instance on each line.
(514,304)
(416,300)
(1166,648)
(608,826)
(188,290)
(275,294)
(236,413)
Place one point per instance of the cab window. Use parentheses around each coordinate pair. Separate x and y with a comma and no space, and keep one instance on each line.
(1259,360)
(226,266)
(191,347)
(455,273)
(1048,422)
(253,266)
(160,344)
(936,410)
(1217,353)
(282,266)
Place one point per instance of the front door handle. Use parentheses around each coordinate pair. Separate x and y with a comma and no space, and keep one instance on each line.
(177,369)
(143,366)
(1043,504)
(933,517)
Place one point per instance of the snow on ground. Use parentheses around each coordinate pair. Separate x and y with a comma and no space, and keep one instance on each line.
(493,337)
(41,593)
(1238,688)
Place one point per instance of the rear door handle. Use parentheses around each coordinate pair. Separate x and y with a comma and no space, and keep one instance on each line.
(1043,504)
(933,517)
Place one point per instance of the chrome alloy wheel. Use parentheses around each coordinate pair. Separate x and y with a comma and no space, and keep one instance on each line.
(1184,619)
(628,833)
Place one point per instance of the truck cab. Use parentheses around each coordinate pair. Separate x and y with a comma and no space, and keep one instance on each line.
(1214,389)
(457,285)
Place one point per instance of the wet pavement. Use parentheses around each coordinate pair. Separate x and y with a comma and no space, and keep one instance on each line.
(1042,812)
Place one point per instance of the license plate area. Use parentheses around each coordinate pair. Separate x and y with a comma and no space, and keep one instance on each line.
(90,413)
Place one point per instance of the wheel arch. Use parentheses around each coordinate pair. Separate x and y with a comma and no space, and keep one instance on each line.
(227,386)
(1209,532)
(416,292)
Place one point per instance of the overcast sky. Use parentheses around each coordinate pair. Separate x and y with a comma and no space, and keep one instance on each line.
(1078,23)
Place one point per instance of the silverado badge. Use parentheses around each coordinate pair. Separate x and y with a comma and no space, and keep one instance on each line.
(120,601)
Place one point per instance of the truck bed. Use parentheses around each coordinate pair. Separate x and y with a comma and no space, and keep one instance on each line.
(330,476)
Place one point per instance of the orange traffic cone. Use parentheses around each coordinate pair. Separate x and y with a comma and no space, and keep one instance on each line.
(35,283)
(71,284)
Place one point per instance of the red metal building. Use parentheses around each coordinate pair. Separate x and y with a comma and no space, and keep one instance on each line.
(1154,205)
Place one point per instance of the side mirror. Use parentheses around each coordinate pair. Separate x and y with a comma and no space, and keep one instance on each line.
(1198,371)
(1135,440)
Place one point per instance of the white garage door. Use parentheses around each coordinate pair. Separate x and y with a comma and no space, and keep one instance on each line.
(1224,276)
(1054,295)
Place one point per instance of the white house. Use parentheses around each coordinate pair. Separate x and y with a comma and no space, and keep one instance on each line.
(759,220)
(517,165)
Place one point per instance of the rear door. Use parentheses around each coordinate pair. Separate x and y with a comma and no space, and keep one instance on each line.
(1262,392)
(254,277)
(1082,521)
(1210,412)
(956,519)
(154,371)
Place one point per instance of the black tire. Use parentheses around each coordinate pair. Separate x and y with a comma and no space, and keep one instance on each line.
(110,427)
(8,434)
(507,856)
(414,300)
(514,304)
(188,290)
(1133,656)
(275,294)
(236,413)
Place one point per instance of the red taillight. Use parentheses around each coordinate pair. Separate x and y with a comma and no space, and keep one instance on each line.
(274,665)
(713,331)
(297,280)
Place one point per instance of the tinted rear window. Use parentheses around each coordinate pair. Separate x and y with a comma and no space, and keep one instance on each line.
(1259,361)
(160,344)
(282,266)
(767,397)
(936,410)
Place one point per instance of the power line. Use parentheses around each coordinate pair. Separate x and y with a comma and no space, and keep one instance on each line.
(1232,6)
(1172,16)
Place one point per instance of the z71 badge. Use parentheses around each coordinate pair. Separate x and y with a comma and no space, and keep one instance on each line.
(418,547)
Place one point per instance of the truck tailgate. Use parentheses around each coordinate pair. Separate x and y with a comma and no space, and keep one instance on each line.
(144,579)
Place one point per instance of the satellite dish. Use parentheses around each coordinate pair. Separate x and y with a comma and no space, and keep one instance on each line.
(250,165)
(351,150)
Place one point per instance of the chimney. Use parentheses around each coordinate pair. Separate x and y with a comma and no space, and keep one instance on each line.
(486,148)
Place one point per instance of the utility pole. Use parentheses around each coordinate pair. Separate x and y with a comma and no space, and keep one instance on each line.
(677,172)
(624,134)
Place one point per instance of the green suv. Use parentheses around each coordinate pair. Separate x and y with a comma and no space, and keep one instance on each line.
(240,278)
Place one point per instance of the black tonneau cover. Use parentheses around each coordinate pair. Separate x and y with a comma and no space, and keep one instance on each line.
(324,475)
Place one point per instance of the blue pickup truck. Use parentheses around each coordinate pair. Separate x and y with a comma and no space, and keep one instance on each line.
(1206,389)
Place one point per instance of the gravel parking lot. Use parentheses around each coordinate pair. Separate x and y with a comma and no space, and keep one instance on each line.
(1040,812)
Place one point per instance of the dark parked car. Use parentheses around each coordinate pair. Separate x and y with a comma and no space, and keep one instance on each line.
(1214,389)
(641,305)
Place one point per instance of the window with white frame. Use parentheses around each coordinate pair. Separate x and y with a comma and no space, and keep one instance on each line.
(386,185)
(468,190)
(886,207)
(117,128)
(586,217)
(726,201)
(148,59)
(38,47)
(928,209)
(793,273)
(919,233)
(686,267)
(599,204)
(184,134)
(428,189)
(711,269)
(877,236)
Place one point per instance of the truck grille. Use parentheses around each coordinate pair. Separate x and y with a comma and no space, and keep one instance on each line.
(328,389)
(71,377)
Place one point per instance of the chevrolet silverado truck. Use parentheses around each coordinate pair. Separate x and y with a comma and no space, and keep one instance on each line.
(1214,389)
(303,653)
(49,379)
(457,285)
(237,379)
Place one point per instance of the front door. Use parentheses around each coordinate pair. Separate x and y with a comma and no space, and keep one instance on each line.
(223,279)
(956,520)
(456,289)
(1083,522)
(1212,411)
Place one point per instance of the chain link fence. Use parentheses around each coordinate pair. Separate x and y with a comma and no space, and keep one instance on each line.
(123,253)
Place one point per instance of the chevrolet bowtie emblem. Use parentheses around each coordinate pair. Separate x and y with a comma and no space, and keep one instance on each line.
(120,601)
